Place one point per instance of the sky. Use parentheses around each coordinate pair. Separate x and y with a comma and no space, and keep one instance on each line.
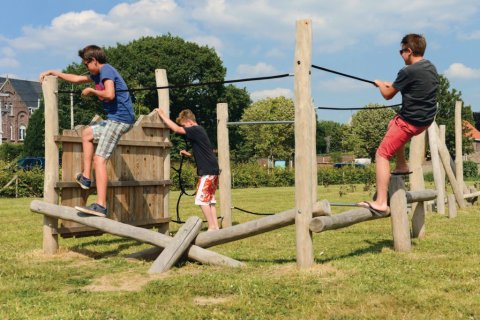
(257,38)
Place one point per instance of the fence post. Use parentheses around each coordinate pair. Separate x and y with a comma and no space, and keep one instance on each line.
(50,225)
(224,164)
(417,156)
(458,144)
(437,175)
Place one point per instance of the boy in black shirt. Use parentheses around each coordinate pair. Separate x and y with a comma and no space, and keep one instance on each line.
(418,83)
(207,164)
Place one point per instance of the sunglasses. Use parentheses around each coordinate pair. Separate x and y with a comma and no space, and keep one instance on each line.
(403,50)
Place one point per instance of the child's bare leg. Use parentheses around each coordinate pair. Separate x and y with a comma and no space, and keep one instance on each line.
(382,168)
(88,151)
(210,213)
(101,179)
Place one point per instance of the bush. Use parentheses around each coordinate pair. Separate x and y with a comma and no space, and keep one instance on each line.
(30,183)
(470,169)
(10,151)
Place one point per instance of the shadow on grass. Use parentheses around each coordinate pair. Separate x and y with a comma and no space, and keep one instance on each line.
(374,247)
(87,248)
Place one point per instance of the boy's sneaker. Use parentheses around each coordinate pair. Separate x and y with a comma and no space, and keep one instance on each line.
(93,209)
(85,183)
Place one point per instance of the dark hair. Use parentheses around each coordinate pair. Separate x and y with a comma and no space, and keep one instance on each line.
(416,42)
(93,52)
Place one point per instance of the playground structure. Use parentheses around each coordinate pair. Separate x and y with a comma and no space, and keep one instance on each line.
(139,198)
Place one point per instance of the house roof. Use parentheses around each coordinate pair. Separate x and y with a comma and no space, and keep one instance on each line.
(473,133)
(29,91)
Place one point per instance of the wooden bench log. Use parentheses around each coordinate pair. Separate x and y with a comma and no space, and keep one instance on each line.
(258,226)
(128,231)
(177,246)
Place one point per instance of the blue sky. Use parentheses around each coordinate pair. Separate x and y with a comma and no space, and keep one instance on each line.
(256,38)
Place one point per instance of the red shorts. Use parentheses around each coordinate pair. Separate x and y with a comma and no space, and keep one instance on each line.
(206,187)
(398,134)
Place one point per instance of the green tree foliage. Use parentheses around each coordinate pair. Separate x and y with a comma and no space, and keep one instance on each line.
(367,129)
(34,144)
(276,140)
(446,99)
(329,136)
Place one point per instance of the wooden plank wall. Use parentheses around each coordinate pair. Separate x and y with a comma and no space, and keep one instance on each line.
(135,171)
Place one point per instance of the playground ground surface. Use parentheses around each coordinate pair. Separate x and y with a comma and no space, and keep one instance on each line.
(357,274)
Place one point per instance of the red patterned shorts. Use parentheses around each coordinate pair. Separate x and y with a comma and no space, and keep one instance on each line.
(206,187)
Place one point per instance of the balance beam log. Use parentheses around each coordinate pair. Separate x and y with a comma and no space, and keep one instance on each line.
(177,246)
(342,220)
(258,226)
(421,195)
(128,231)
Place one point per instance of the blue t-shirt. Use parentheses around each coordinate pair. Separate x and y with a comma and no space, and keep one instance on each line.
(121,108)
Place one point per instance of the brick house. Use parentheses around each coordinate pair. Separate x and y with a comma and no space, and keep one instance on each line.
(18,100)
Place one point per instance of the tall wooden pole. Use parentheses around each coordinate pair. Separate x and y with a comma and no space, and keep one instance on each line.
(437,175)
(303,144)
(398,208)
(50,225)
(458,144)
(442,139)
(224,164)
(417,156)
(164,103)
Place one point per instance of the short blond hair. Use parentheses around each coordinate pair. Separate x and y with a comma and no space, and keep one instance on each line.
(185,115)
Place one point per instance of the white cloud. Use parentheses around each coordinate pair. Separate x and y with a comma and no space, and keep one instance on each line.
(211,41)
(260,69)
(9,62)
(272,93)
(460,71)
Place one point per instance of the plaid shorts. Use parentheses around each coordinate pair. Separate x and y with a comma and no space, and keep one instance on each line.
(206,187)
(108,133)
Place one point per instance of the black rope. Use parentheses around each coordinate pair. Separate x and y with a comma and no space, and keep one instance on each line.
(182,190)
(343,74)
(185,85)
(254,213)
(361,108)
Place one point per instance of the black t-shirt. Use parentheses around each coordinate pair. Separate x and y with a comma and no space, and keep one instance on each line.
(418,84)
(206,161)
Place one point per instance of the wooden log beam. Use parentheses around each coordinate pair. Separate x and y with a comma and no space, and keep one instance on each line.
(258,226)
(421,196)
(128,231)
(342,220)
(177,246)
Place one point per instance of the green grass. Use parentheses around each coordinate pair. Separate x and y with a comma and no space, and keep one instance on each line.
(357,274)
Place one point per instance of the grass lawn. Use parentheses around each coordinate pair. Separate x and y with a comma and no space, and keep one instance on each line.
(357,274)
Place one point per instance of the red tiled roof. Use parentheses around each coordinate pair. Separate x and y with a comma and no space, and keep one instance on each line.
(473,133)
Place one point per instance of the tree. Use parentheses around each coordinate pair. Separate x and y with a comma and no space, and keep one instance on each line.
(329,136)
(269,140)
(446,99)
(367,129)
(34,144)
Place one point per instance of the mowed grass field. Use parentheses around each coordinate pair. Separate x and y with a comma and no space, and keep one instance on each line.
(357,274)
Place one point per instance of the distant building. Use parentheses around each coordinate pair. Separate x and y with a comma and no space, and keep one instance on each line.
(18,100)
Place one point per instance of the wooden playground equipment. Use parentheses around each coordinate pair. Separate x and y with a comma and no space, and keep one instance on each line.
(139,173)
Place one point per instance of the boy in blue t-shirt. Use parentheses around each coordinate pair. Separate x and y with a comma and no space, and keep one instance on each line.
(112,90)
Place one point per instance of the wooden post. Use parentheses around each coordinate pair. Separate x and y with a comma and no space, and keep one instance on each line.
(177,246)
(164,103)
(50,224)
(445,157)
(452,206)
(303,145)
(314,152)
(442,137)
(417,156)
(437,175)
(458,144)
(398,207)
(225,179)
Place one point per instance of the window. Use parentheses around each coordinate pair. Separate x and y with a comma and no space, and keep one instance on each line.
(22,132)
